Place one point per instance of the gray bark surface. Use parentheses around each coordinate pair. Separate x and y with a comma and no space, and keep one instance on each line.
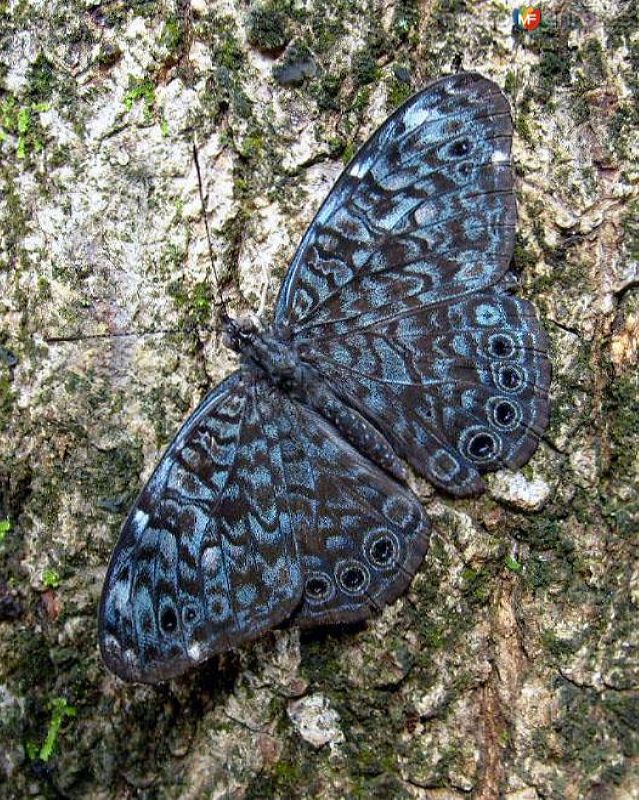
(510,669)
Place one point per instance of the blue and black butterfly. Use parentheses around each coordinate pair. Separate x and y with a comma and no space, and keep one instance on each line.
(396,339)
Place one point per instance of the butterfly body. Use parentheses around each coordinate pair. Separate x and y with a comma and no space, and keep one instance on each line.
(396,339)
(277,361)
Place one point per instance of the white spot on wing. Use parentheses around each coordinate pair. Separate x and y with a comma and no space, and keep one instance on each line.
(140,519)
(194,651)
(210,559)
(499,157)
(121,598)
(112,645)
(130,658)
(416,116)
(360,168)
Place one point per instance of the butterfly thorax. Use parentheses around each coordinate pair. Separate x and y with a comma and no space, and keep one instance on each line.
(260,349)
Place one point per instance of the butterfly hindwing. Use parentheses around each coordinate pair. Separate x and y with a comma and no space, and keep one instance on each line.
(207,558)
(456,389)
(424,214)
(363,535)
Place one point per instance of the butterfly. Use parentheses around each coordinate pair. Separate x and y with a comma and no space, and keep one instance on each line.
(396,340)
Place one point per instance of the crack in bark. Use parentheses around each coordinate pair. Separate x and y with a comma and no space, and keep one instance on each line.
(628,286)
(500,692)
(566,328)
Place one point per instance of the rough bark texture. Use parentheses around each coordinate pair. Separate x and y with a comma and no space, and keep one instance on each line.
(510,669)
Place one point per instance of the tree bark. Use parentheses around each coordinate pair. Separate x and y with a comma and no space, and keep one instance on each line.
(510,668)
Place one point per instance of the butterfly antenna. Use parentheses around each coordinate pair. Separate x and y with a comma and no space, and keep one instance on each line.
(225,315)
(123,335)
(83,337)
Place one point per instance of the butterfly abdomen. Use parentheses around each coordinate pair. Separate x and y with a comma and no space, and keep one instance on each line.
(351,424)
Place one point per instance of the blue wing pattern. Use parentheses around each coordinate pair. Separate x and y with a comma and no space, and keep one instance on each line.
(207,558)
(424,213)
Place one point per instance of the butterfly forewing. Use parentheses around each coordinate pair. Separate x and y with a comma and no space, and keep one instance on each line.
(207,558)
(423,214)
